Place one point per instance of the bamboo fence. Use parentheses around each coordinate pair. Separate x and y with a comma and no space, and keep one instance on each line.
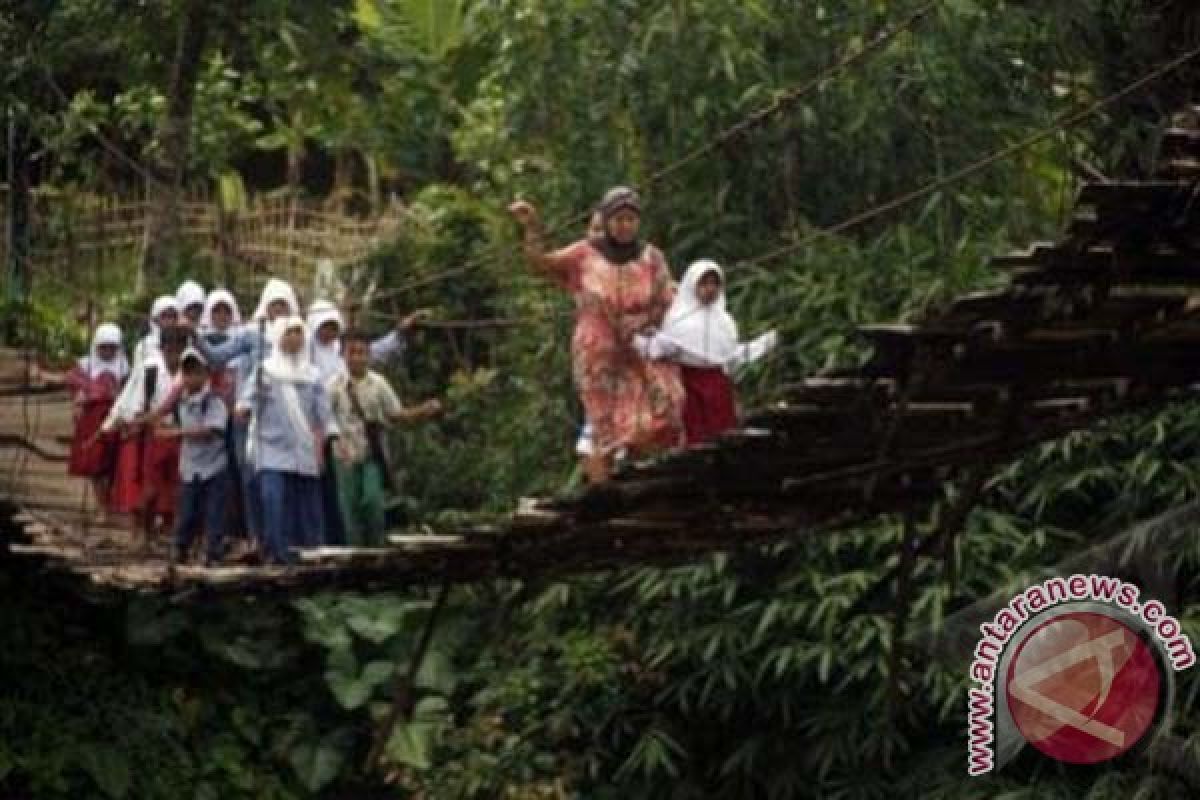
(71,233)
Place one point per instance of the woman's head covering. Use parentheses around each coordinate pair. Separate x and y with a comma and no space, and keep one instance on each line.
(276,290)
(160,306)
(289,367)
(149,343)
(323,311)
(220,297)
(189,294)
(94,365)
(327,358)
(617,199)
(707,334)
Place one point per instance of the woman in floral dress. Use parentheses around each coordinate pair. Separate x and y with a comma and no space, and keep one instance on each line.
(621,287)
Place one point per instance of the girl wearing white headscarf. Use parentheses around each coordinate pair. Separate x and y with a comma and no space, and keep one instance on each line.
(290,423)
(220,297)
(276,291)
(702,337)
(95,382)
(189,297)
(325,325)
(220,320)
(164,313)
(146,475)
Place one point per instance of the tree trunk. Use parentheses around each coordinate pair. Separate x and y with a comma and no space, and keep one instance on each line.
(164,186)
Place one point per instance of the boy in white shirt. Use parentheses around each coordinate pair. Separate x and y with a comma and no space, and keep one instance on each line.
(364,403)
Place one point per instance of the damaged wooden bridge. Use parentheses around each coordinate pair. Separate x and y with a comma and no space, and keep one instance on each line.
(1104,321)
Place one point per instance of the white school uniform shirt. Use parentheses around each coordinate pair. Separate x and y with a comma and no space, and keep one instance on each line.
(379,404)
(292,414)
(203,459)
(698,335)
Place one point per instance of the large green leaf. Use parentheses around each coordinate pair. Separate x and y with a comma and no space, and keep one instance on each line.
(318,763)
(108,767)
(352,690)
(412,742)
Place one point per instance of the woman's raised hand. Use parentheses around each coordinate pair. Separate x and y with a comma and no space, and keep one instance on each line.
(524,213)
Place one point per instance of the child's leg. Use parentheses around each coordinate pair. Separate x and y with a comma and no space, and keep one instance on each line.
(273,494)
(310,510)
(331,501)
(100,494)
(135,529)
(374,512)
(187,524)
(148,514)
(251,501)
(597,467)
(216,491)
(348,480)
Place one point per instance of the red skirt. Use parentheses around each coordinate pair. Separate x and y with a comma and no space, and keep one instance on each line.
(709,408)
(91,460)
(149,478)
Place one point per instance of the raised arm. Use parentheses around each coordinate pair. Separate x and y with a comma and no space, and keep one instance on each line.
(560,265)
(244,341)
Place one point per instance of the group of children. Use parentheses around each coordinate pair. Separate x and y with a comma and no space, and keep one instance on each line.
(273,427)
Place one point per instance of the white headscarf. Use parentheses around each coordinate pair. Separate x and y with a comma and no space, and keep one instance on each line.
(94,366)
(189,293)
(327,358)
(288,368)
(276,290)
(706,335)
(215,298)
(162,304)
(149,342)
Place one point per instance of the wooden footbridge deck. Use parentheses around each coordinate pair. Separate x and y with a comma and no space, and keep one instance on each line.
(1104,321)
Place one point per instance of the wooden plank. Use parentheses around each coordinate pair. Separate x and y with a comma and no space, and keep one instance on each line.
(1179,142)
(1126,197)
(1181,169)
(838,390)
(1030,256)
(1170,364)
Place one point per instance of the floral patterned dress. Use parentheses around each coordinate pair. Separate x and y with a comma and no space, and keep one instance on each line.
(631,403)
